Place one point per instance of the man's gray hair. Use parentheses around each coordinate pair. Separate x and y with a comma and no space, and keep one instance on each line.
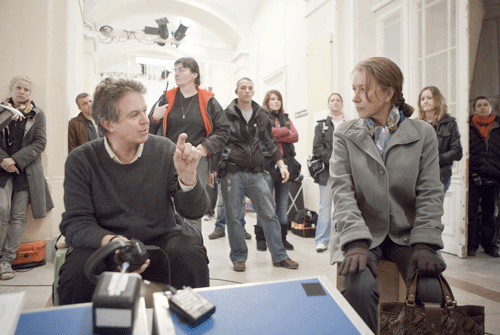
(107,95)
(79,96)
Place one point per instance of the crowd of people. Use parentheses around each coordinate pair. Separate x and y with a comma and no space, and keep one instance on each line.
(134,174)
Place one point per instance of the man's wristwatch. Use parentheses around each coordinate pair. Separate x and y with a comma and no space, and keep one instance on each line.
(284,166)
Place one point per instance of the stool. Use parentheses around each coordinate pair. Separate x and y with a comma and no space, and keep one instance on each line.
(61,250)
(391,285)
(293,199)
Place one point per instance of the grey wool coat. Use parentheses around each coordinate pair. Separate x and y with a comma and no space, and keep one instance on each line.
(29,158)
(398,194)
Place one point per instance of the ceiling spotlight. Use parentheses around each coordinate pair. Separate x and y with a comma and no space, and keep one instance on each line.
(162,29)
(106,30)
(173,45)
(180,32)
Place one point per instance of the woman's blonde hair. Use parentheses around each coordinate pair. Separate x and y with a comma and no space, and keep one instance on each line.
(440,107)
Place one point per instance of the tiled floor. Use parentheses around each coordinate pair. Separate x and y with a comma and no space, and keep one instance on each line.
(473,280)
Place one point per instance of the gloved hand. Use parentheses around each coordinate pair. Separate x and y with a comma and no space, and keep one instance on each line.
(357,257)
(426,260)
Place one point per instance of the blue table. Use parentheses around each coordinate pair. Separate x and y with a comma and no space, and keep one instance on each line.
(299,306)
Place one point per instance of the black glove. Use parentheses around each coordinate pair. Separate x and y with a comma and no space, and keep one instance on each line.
(357,257)
(425,259)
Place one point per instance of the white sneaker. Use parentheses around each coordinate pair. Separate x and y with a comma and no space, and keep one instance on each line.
(6,271)
(320,247)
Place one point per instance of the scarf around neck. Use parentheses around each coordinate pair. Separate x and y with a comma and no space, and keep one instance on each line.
(382,134)
(483,125)
(24,108)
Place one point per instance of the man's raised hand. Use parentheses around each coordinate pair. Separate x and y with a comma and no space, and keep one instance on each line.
(186,160)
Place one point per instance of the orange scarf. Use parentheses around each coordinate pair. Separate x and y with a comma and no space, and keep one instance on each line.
(483,125)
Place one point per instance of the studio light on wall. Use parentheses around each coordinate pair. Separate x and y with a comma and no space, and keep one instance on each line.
(180,33)
(162,29)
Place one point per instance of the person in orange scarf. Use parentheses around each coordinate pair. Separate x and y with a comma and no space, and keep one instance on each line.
(484,177)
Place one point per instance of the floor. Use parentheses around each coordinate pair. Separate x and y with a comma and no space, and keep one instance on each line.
(474,281)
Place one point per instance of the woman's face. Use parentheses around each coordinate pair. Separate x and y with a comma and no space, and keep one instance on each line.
(335,104)
(427,101)
(184,76)
(370,102)
(274,102)
(20,92)
(482,108)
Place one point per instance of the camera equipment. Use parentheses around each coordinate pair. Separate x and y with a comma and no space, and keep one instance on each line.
(134,252)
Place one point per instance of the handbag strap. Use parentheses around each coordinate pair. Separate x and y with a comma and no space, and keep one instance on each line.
(449,299)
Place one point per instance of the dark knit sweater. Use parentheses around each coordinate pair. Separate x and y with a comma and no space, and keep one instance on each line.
(104,197)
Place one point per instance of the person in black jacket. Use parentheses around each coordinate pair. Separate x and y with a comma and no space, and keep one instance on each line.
(242,171)
(484,177)
(433,109)
(194,111)
(322,148)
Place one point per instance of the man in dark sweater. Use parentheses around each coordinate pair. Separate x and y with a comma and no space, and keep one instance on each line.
(113,189)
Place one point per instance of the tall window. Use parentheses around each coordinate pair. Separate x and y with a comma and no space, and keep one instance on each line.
(437,48)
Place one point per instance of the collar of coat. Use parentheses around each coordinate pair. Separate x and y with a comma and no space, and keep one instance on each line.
(357,132)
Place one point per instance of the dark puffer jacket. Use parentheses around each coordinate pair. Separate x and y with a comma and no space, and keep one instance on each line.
(323,146)
(485,157)
(449,146)
(245,139)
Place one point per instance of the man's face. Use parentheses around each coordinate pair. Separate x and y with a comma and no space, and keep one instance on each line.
(245,91)
(20,92)
(85,105)
(132,127)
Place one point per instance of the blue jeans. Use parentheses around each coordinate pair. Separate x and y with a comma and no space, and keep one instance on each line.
(235,186)
(280,196)
(220,222)
(13,208)
(324,224)
(446,184)
(202,170)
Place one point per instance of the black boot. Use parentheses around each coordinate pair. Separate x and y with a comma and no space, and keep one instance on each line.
(284,231)
(261,239)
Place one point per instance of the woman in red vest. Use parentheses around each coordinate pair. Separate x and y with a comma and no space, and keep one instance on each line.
(194,111)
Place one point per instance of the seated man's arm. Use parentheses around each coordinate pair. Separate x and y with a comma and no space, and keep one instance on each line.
(79,224)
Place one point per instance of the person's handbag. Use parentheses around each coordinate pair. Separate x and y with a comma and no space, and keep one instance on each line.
(408,318)
(315,166)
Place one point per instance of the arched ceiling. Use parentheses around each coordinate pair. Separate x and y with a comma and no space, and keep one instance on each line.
(216,27)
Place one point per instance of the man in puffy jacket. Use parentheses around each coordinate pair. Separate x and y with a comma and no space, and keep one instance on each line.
(242,169)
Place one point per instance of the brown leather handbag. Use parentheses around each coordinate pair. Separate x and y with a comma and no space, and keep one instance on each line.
(408,318)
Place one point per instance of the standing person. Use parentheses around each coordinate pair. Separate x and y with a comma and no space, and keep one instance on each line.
(82,128)
(110,193)
(484,176)
(285,135)
(194,111)
(220,221)
(212,191)
(22,181)
(322,148)
(386,190)
(242,168)
(433,109)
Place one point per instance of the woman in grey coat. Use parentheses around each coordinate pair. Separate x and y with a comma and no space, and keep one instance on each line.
(22,140)
(388,199)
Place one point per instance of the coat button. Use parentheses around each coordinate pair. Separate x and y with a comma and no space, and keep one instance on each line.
(382,172)
(406,240)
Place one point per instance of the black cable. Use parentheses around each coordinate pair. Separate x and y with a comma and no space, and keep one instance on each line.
(226,280)
(26,285)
